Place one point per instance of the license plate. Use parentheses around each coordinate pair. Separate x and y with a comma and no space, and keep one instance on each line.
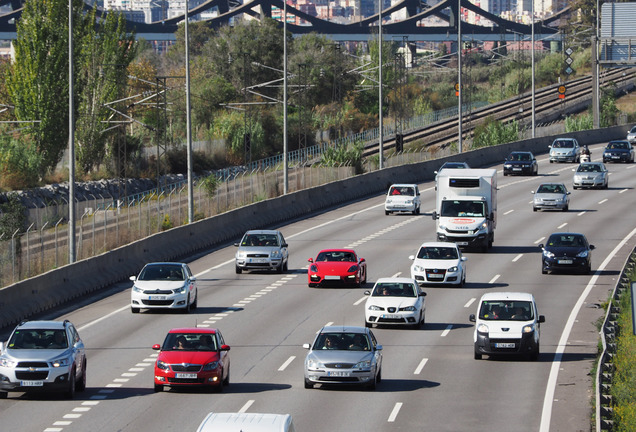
(435,276)
(31,383)
(255,260)
(328,277)
(505,345)
(186,375)
(516,169)
(462,243)
(390,316)
(157,297)
(338,374)
(564,261)
(616,157)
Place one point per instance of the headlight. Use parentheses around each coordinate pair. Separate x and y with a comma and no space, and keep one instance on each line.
(364,364)
(8,363)
(314,364)
(418,268)
(275,254)
(482,328)
(442,227)
(389,201)
(507,165)
(136,289)
(408,309)
(163,365)
(352,269)
(453,269)
(408,202)
(61,362)
(211,366)
(181,290)
(313,268)
(375,308)
(582,254)
(548,254)
(528,329)
(241,254)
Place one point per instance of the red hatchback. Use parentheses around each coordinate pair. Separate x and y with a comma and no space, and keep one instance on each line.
(337,267)
(192,357)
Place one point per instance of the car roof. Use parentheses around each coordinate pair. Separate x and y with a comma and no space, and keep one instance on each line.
(42,325)
(253,422)
(564,139)
(552,183)
(522,152)
(165,263)
(567,233)
(438,244)
(404,185)
(395,280)
(343,329)
(454,163)
(507,296)
(262,232)
(337,250)
(194,330)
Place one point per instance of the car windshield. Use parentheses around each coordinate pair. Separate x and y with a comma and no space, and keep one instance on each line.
(589,168)
(189,342)
(562,144)
(506,310)
(260,240)
(437,253)
(454,165)
(617,145)
(162,273)
(566,240)
(462,208)
(336,256)
(394,289)
(38,339)
(342,341)
(519,157)
(402,190)
(551,188)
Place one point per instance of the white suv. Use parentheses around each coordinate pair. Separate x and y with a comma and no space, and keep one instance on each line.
(507,323)
(41,356)
(262,250)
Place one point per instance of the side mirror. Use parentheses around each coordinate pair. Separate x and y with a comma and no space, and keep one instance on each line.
(362,260)
(378,347)
(541,319)
(541,246)
(306,346)
(592,247)
(411,257)
(423,294)
(532,192)
(225,347)
(434,215)
(156,347)
(284,245)
(471,318)
(133,278)
(464,258)
(1,347)
(193,279)
(367,292)
(236,244)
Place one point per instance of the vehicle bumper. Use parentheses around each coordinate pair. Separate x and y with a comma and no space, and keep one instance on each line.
(561,158)
(149,301)
(587,183)
(518,171)
(400,208)
(625,157)
(205,379)
(55,381)
(550,205)
(558,264)
(333,280)
(524,345)
(430,277)
(330,376)
(464,241)
(397,318)
(269,264)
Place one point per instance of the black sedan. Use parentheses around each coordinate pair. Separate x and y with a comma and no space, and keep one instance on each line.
(521,162)
(618,151)
(567,251)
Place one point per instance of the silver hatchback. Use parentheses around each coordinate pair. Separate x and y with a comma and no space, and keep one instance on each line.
(262,250)
(551,196)
(590,175)
(565,150)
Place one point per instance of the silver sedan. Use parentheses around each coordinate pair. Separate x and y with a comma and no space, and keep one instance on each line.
(591,175)
(551,196)
(344,355)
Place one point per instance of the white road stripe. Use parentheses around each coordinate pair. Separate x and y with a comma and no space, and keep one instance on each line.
(562,225)
(360,301)
(419,367)
(517,258)
(448,329)
(394,413)
(508,212)
(471,301)
(492,281)
(246,406)
(284,365)
(539,240)
(602,201)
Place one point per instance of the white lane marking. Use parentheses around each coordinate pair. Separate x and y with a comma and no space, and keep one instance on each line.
(53,429)
(397,274)
(81,409)
(394,413)
(602,201)
(448,329)
(517,258)
(246,406)
(621,191)
(562,225)
(492,281)
(360,301)
(471,301)
(419,367)
(73,416)
(62,423)
(284,365)
(539,240)
(87,325)
(92,403)
(508,212)
(548,400)
(581,213)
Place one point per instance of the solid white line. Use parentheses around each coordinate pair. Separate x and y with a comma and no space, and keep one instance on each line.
(517,258)
(246,406)
(394,413)
(420,366)
(471,301)
(491,281)
(548,400)
(448,329)
(360,301)
(284,365)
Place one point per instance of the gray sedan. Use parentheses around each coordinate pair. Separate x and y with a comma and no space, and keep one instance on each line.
(590,175)
(344,355)
(551,196)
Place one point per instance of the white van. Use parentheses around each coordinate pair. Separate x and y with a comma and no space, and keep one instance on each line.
(246,422)
(507,323)
(403,198)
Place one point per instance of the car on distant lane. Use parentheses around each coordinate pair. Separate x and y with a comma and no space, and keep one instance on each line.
(164,285)
(402,198)
(618,151)
(337,267)
(566,251)
(262,250)
(590,175)
(551,196)
(43,356)
(344,355)
(522,163)
(631,135)
(565,150)
(192,357)
(451,165)
(439,263)
(395,301)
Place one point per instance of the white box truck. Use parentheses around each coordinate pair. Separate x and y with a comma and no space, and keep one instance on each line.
(466,207)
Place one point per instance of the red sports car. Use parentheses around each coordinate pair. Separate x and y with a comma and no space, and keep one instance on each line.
(192,357)
(337,267)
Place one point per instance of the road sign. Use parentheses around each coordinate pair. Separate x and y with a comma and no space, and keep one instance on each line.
(561,90)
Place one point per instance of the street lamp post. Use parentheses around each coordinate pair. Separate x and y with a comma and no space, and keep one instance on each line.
(188,120)
(532,61)
(71,141)
(285,156)
(380,125)
(459,74)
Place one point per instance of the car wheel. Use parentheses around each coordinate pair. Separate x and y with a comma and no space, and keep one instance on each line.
(379,379)
(187,307)
(423,323)
(3,395)
(279,269)
(566,208)
(386,212)
(134,309)
(308,384)
(158,388)
(195,303)
(311,285)
(80,386)
(286,265)
(373,384)
(534,209)
(543,270)
(477,356)
(70,391)
(226,381)
(534,356)
(219,387)
(418,210)
(368,324)
(239,270)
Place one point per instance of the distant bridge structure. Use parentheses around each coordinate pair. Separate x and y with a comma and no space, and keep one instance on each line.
(361,30)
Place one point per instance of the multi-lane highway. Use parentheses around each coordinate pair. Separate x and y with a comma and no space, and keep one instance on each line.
(430,380)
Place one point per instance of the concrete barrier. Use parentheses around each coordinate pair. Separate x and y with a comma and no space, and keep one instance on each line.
(61,286)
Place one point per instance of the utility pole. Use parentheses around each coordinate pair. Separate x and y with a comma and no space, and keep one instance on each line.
(188,121)
(71,141)
(380,131)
